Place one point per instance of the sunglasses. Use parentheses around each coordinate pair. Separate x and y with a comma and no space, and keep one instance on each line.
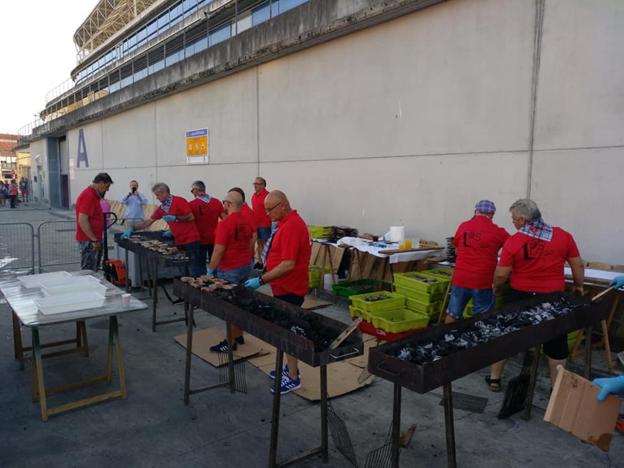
(268,210)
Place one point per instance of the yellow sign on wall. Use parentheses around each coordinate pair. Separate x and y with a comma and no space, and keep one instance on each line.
(197,145)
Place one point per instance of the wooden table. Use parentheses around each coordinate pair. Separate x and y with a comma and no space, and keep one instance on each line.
(22,303)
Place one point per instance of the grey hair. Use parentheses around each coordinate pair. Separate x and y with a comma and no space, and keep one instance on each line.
(199,185)
(160,187)
(526,209)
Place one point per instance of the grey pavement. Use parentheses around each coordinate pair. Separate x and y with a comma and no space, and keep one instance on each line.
(154,428)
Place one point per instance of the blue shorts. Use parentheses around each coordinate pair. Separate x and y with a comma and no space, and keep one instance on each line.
(483,300)
(237,275)
(263,233)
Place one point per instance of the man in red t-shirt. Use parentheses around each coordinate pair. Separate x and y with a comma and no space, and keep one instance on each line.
(90,221)
(287,262)
(231,259)
(534,258)
(246,212)
(207,210)
(263,221)
(477,242)
(178,215)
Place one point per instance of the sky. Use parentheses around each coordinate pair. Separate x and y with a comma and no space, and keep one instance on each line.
(37,54)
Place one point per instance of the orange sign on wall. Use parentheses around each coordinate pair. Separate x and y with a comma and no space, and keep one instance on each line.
(197,145)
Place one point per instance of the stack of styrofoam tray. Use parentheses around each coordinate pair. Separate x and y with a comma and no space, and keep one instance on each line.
(45,279)
(69,302)
(76,285)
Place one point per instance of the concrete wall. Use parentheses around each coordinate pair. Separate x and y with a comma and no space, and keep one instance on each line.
(39,154)
(409,122)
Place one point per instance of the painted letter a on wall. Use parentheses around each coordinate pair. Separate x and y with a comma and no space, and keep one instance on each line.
(82,149)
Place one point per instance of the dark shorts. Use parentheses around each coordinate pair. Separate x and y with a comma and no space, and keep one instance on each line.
(483,300)
(556,348)
(263,233)
(291,299)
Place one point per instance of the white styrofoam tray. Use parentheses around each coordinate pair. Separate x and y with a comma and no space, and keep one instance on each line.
(45,279)
(69,302)
(76,285)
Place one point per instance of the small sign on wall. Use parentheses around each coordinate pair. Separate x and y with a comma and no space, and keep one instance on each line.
(197,146)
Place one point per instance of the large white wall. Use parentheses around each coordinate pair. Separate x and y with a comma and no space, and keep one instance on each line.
(409,122)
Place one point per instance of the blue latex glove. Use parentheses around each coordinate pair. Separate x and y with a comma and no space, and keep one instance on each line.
(167,234)
(127,233)
(609,385)
(169,218)
(618,282)
(210,271)
(253,283)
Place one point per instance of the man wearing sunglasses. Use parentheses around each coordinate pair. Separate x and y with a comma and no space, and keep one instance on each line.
(206,210)
(263,221)
(287,260)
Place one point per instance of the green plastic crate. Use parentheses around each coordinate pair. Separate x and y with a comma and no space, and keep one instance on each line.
(431,309)
(362,286)
(419,295)
(355,312)
(393,301)
(319,232)
(315,275)
(422,283)
(398,320)
(444,273)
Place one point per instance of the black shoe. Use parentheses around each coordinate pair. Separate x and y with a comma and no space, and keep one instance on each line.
(222,347)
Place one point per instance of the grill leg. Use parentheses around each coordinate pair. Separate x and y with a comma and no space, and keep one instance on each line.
(279,360)
(189,350)
(528,402)
(230,340)
(127,285)
(449,425)
(154,295)
(396,425)
(588,352)
(324,431)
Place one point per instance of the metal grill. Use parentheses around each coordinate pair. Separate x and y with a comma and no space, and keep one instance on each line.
(57,244)
(17,248)
(340,435)
(381,457)
(240,378)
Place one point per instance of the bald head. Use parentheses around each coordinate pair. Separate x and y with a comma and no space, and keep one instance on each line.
(232,202)
(276,205)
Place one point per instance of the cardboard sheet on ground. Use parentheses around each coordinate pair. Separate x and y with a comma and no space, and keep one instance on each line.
(310,302)
(342,377)
(204,339)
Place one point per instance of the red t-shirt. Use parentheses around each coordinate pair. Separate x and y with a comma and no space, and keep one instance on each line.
(257,203)
(249,215)
(477,242)
(206,218)
(291,242)
(235,233)
(183,233)
(537,265)
(88,202)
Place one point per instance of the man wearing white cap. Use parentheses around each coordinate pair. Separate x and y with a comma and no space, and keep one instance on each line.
(477,242)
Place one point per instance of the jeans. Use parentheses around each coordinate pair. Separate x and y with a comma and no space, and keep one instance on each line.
(198,265)
(483,301)
(205,252)
(237,275)
(88,256)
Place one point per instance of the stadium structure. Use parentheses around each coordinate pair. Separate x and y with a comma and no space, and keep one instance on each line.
(368,113)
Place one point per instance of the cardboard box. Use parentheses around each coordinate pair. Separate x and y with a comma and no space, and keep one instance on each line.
(573,407)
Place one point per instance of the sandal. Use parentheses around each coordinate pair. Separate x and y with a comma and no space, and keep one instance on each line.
(494,384)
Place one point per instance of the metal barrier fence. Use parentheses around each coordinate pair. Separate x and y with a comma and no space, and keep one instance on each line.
(56,244)
(17,248)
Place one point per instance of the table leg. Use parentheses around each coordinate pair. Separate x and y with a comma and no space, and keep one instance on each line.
(230,340)
(449,425)
(38,363)
(83,342)
(17,340)
(396,425)
(324,431)
(607,345)
(279,360)
(588,351)
(189,354)
(120,364)
(127,285)
(109,357)
(528,402)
